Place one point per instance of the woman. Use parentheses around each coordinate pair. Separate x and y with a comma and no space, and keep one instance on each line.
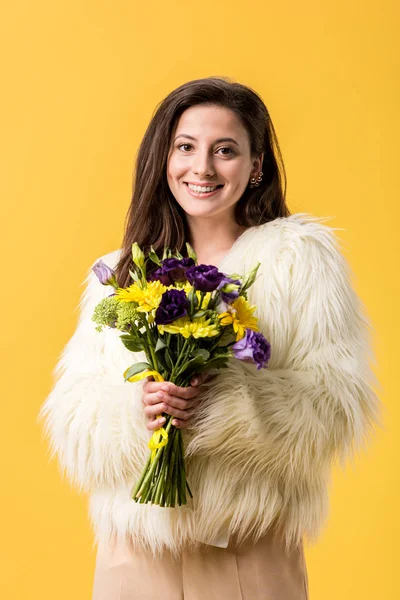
(259,444)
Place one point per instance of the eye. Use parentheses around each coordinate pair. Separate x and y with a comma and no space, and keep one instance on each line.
(227,148)
(180,145)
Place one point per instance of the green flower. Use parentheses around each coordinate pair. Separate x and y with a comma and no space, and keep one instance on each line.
(105,313)
(127,314)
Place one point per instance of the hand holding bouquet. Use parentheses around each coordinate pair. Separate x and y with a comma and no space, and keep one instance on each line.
(188,319)
(164,396)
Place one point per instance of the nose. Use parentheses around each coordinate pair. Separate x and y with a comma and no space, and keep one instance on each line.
(202,165)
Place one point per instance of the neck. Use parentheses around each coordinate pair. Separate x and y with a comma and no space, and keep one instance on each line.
(212,239)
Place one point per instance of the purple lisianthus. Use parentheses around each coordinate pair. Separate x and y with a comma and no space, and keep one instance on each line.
(105,274)
(205,278)
(172,270)
(253,347)
(231,291)
(174,305)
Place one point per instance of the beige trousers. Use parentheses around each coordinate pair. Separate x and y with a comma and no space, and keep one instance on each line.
(260,571)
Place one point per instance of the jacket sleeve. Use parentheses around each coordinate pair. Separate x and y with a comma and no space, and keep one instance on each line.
(89,416)
(315,401)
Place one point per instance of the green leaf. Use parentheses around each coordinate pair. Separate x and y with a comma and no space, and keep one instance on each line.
(191,365)
(161,361)
(132,344)
(191,252)
(201,352)
(168,360)
(218,362)
(160,345)
(135,369)
(154,257)
(134,275)
(227,337)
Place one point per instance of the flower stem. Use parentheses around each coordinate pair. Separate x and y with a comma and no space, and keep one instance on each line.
(180,357)
(142,476)
(154,464)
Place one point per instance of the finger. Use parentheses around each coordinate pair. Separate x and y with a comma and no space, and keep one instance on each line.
(181,392)
(180,424)
(147,379)
(155,424)
(183,415)
(157,397)
(198,378)
(153,386)
(152,410)
(157,409)
(175,402)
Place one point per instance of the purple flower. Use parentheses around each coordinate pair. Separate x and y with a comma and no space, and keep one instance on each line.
(105,274)
(205,278)
(231,291)
(174,305)
(253,347)
(172,270)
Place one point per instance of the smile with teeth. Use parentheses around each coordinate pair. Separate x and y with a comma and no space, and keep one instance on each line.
(199,189)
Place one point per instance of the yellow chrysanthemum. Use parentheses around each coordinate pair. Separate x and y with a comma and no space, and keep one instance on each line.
(241,317)
(198,328)
(148,298)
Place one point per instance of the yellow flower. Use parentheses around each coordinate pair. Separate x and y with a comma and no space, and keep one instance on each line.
(206,300)
(180,285)
(198,328)
(241,317)
(148,299)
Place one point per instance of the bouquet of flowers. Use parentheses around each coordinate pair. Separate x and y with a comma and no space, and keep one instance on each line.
(187,318)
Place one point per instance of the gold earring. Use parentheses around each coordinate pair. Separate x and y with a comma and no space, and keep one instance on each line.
(256,182)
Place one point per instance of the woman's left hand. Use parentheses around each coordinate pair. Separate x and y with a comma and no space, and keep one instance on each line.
(174,400)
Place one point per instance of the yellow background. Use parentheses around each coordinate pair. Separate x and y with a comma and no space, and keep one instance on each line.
(80,80)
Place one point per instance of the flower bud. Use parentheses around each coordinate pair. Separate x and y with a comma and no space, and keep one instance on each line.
(250,278)
(105,274)
(137,255)
(191,253)
(230,287)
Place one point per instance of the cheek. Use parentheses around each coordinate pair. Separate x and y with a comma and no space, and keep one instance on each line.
(236,172)
(175,167)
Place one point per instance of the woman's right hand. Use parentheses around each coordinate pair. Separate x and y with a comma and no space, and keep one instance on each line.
(166,397)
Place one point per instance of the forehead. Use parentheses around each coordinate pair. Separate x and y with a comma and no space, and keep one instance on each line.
(210,122)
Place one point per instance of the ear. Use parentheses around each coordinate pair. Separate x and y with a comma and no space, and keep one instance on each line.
(257,164)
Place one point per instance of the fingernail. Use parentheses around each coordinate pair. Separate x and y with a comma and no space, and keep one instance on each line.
(162,420)
(194,381)
(165,388)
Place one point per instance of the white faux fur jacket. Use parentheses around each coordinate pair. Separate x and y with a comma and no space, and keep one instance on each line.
(263,443)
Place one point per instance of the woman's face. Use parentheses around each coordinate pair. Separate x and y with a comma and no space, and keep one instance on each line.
(201,155)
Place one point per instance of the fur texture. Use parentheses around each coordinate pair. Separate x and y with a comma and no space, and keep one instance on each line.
(262,444)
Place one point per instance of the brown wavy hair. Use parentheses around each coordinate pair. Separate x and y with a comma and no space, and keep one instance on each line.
(154,217)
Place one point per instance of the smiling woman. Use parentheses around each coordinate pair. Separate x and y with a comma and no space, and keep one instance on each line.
(259,443)
(206,182)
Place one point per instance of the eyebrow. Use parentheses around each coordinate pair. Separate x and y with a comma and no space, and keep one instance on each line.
(190,137)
